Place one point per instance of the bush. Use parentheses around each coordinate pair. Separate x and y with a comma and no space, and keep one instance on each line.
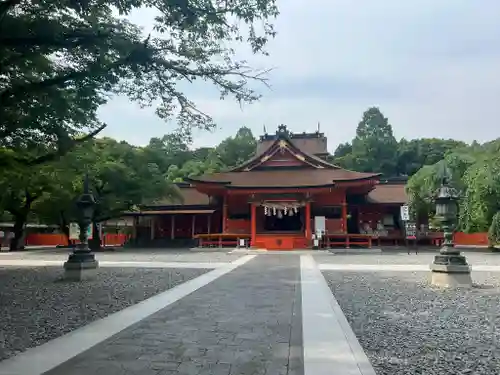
(494,231)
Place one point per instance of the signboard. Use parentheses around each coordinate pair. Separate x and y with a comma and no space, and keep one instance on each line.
(319,225)
(74,231)
(411,230)
(405,213)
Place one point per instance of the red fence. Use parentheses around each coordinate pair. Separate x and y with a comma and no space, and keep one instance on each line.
(49,239)
(471,239)
(46,239)
(113,239)
(54,239)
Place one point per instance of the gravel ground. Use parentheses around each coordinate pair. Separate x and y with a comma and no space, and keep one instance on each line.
(408,327)
(36,305)
(490,259)
(146,255)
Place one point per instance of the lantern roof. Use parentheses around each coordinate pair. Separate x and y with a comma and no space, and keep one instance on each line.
(446,191)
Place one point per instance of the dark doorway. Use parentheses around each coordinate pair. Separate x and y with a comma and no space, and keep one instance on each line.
(352,221)
(285,223)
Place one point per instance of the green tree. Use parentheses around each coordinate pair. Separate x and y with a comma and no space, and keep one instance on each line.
(59,61)
(476,174)
(374,149)
(171,149)
(211,163)
(421,189)
(482,195)
(236,150)
(415,153)
(58,208)
(494,230)
(122,176)
(342,150)
(21,189)
(203,153)
(343,156)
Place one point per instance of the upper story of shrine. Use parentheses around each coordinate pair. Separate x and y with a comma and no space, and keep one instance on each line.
(315,144)
(286,162)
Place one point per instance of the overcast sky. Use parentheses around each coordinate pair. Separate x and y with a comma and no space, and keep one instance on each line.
(432,66)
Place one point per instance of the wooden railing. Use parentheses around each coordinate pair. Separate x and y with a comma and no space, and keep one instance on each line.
(397,239)
(346,240)
(222,239)
(329,240)
(400,240)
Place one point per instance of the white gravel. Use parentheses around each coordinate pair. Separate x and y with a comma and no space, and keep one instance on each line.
(36,305)
(132,255)
(391,257)
(408,327)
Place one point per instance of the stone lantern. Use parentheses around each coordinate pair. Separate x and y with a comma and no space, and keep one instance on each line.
(81,263)
(450,268)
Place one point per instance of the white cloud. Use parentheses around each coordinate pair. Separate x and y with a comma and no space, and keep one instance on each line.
(432,67)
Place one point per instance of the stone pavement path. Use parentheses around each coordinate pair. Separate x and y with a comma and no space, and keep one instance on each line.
(246,322)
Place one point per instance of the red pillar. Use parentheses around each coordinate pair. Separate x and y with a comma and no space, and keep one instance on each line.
(253,218)
(224,215)
(344,213)
(308,222)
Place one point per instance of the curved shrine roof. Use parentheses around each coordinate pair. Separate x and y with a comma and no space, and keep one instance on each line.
(381,194)
(283,178)
(388,194)
(190,197)
(313,172)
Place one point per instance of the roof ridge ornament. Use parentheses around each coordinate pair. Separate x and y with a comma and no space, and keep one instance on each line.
(283,132)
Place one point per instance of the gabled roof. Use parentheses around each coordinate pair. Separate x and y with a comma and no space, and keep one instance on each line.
(283,142)
(310,143)
(315,172)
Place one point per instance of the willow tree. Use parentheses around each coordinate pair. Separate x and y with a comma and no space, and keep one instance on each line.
(421,189)
(60,60)
(482,196)
(475,173)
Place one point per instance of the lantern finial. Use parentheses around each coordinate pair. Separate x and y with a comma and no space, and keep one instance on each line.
(445,174)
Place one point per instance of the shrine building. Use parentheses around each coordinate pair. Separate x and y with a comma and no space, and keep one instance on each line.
(286,193)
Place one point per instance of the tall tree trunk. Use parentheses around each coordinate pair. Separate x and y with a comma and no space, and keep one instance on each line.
(64,226)
(20,215)
(19,223)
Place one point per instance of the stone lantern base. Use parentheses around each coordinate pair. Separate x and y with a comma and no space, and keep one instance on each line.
(451,275)
(80,267)
(450,268)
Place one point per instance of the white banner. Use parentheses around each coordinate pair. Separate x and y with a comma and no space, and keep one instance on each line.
(405,213)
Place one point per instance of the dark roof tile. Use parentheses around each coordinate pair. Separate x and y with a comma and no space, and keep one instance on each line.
(192,197)
(388,194)
(284,178)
